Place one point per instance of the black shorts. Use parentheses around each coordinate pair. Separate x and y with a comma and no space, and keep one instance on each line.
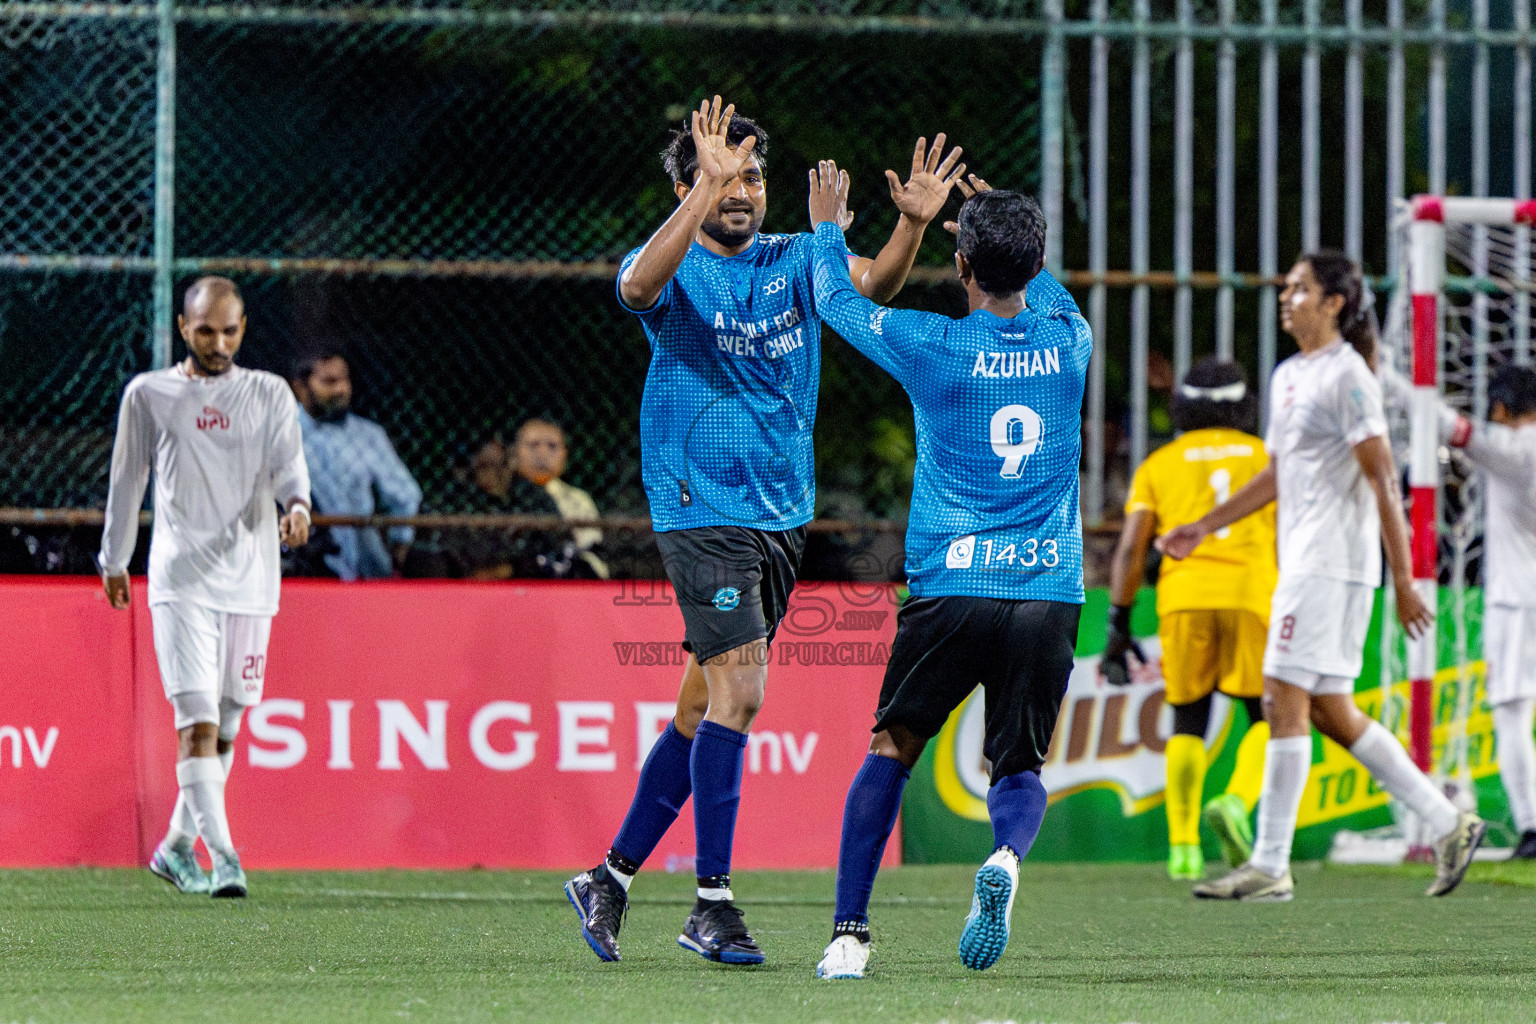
(1019,651)
(732,583)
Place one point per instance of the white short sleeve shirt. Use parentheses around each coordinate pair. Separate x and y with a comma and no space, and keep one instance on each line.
(1321,405)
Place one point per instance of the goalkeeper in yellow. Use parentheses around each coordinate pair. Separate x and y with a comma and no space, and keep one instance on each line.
(1212,607)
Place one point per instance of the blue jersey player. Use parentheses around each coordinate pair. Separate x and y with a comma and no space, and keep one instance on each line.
(725,441)
(994,540)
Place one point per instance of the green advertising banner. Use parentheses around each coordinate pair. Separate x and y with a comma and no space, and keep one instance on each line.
(1105,768)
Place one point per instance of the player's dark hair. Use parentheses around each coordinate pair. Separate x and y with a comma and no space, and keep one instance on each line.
(1002,237)
(1337,274)
(213,287)
(681,157)
(1513,387)
(304,366)
(1214,393)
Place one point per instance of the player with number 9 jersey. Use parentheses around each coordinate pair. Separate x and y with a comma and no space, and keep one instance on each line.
(994,542)
(997,404)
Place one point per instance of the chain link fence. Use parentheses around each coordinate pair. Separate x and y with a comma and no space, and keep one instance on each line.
(442,192)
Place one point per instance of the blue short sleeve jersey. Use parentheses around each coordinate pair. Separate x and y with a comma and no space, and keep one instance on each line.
(998,405)
(730,397)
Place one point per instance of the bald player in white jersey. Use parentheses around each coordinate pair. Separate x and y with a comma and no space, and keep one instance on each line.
(225,447)
(1505,450)
(1335,484)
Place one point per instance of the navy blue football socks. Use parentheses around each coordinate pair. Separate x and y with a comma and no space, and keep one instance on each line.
(716,766)
(664,786)
(868,817)
(1016,804)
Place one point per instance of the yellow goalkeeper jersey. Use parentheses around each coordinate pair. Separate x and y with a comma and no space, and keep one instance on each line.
(1180,482)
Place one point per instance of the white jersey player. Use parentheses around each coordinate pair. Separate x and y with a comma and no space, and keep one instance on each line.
(225,447)
(1332,473)
(1505,449)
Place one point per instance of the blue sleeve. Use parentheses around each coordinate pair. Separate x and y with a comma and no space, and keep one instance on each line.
(810,266)
(1047,297)
(398,491)
(891,337)
(662,300)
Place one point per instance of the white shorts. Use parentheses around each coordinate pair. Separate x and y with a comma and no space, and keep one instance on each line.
(1509,647)
(1317,628)
(217,656)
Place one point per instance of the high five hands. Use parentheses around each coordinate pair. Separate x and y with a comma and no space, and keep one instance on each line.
(928,185)
(718,159)
(968,187)
(829,195)
(919,199)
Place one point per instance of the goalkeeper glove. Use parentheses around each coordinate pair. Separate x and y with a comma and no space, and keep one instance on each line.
(1117,645)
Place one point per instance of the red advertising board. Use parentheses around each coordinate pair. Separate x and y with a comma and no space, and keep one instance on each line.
(439,724)
(68,787)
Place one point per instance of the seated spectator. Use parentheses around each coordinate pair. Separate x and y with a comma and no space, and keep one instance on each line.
(525,479)
(539,456)
(353,469)
(487,553)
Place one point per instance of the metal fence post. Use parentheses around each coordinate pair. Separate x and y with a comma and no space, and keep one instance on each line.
(1311,87)
(1480,231)
(1396,76)
(1183,191)
(1098,260)
(1226,130)
(1052,95)
(165,183)
(1269,176)
(1141,297)
(1437,103)
(1354,142)
(1522,170)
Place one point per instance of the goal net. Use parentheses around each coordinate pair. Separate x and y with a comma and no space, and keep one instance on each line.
(1461,307)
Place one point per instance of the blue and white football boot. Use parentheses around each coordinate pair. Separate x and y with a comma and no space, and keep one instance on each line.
(986,929)
(180,868)
(228,878)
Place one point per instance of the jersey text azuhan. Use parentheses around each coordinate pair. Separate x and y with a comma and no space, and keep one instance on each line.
(1017,363)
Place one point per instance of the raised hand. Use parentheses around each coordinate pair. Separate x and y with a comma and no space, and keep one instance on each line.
(923,195)
(967,190)
(718,159)
(829,195)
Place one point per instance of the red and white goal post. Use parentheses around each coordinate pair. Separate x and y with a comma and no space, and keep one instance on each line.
(1461,307)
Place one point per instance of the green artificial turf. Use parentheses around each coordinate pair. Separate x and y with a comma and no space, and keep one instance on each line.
(1091,943)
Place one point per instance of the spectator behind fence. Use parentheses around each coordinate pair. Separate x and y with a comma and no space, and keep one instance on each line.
(539,456)
(525,479)
(350,459)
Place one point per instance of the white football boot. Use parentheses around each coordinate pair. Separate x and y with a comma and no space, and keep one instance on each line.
(845,957)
